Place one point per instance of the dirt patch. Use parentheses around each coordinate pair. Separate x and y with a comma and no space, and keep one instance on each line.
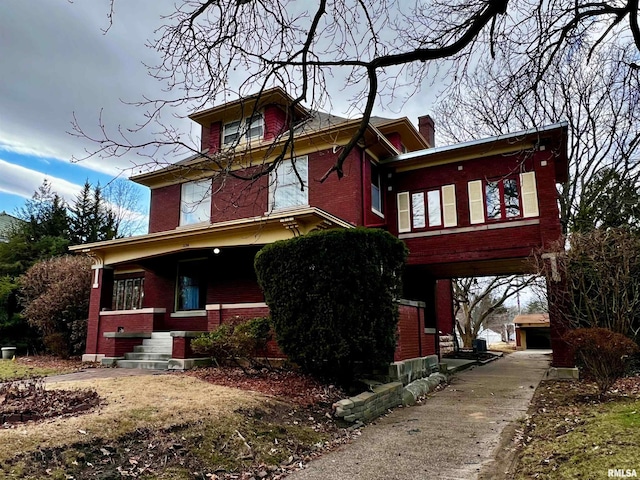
(27,400)
(286,384)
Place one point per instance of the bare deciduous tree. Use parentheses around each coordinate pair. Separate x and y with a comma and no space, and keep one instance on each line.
(372,51)
(476,300)
(597,93)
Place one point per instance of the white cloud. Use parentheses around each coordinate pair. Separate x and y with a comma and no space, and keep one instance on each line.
(21,181)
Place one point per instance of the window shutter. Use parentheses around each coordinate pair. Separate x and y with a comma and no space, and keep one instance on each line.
(529,194)
(476,202)
(449,210)
(404,220)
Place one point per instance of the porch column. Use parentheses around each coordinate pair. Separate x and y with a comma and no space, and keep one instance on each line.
(99,298)
(558,310)
(444,306)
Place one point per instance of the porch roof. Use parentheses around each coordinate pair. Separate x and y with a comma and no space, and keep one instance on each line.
(247,231)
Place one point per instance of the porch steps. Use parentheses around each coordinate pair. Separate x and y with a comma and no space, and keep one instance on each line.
(153,354)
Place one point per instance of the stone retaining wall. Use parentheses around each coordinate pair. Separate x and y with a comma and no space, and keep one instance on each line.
(369,405)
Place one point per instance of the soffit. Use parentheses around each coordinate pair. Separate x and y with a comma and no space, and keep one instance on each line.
(251,231)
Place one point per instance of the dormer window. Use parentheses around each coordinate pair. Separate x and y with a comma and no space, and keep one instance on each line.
(246,129)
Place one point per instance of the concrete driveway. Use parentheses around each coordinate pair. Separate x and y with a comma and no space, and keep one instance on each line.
(452,435)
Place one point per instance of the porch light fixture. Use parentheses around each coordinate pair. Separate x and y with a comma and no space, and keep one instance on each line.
(216,251)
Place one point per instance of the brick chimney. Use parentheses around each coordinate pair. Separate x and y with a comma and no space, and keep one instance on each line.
(426,129)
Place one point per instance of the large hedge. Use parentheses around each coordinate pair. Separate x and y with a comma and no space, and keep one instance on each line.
(332,298)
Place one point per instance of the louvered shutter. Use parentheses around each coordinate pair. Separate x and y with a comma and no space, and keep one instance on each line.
(450,214)
(529,194)
(404,215)
(476,202)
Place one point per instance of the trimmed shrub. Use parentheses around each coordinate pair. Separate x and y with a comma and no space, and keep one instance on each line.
(332,297)
(601,353)
(237,341)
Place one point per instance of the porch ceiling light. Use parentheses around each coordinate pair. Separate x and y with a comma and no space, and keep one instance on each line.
(216,251)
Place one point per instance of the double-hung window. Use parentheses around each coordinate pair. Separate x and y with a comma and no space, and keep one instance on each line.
(195,202)
(289,184)
(376,190)
(246,129)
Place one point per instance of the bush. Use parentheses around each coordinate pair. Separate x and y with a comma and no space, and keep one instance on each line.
(237,341)
(601,353)
(332,297)
(55,297)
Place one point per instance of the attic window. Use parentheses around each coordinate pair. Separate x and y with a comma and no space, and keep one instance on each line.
(246,129)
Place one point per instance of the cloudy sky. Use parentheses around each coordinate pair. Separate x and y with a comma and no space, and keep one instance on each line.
(56,63)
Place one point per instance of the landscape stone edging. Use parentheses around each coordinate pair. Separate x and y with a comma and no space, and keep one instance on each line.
(370,405)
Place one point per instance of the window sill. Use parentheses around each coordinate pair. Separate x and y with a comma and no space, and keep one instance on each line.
(286,209)
(378,213)
(189,313)
(192,225)
(137,311)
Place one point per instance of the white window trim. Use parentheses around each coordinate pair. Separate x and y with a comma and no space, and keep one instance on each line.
(380,191)
(273,187)
(243,130)
(206,198)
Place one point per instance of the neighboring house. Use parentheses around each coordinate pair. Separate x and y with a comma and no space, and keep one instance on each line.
(6,223)
(533,331)
(490,336)
(477,208)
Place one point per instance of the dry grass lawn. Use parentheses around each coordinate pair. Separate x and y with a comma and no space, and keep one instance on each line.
(130,404)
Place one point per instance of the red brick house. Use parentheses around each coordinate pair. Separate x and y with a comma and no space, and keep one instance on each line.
(476,208)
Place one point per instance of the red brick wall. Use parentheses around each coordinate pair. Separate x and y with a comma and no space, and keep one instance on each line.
(239,198)
(93,324)
(211,137)
(395,139)
(134,323)
(117,347)
(481,244)
(164,213)
(412,341)
(444,306)
(275,120)
(340,197)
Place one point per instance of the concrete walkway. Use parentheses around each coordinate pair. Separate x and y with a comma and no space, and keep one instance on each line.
(92,373)
(450,436)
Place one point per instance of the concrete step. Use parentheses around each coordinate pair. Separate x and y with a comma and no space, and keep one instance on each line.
(160,335)
(152,349)
(147,356)
(146,364)
(152,342)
